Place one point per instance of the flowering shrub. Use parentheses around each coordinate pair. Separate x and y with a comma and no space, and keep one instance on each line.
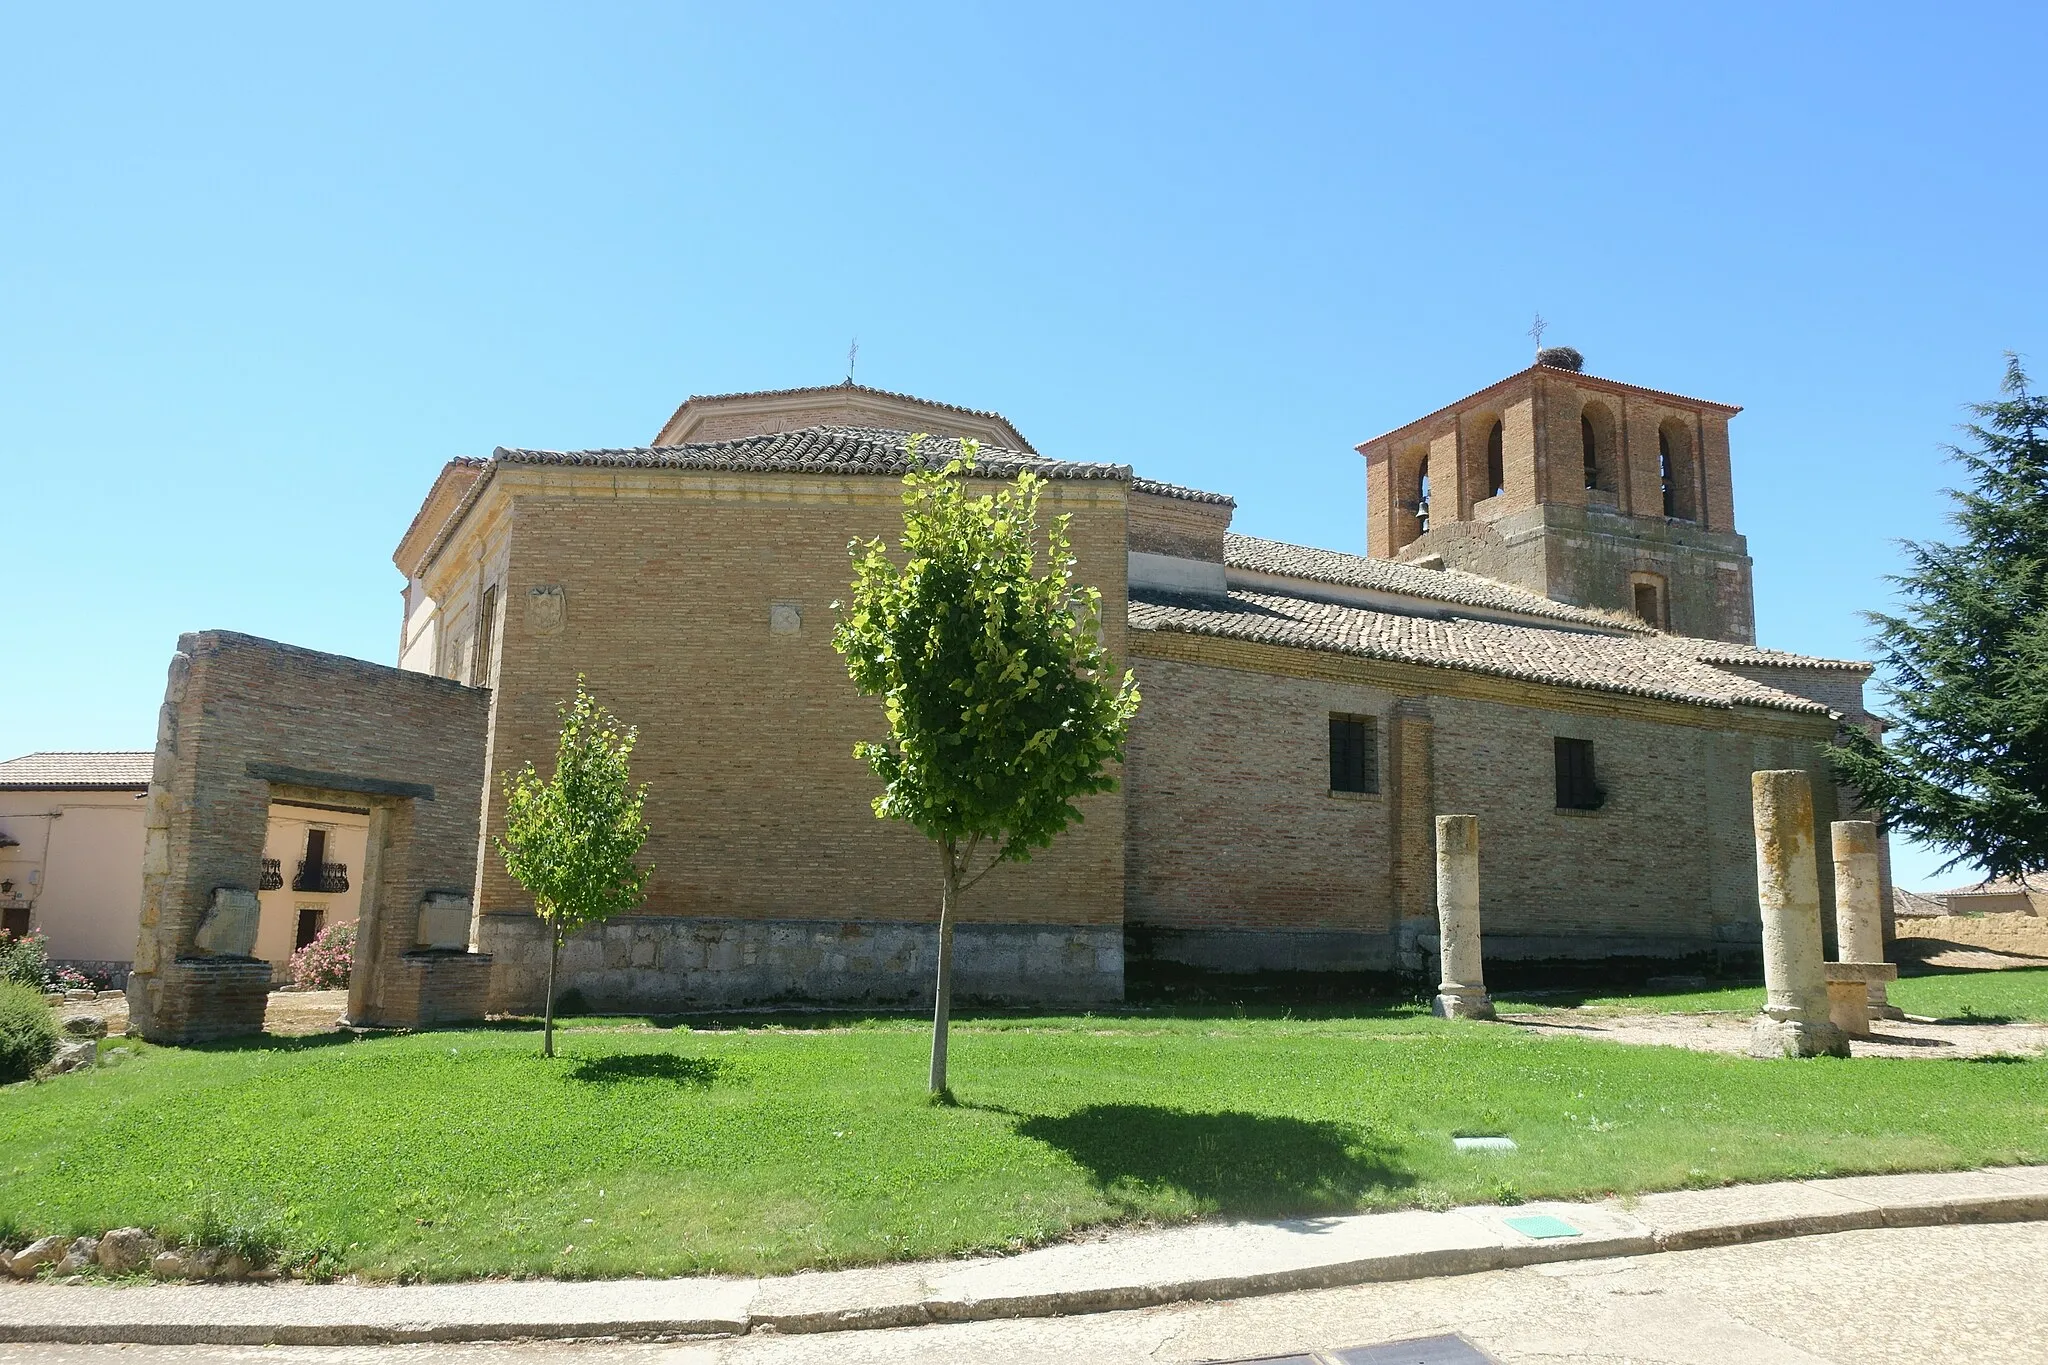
(324,964)
(69,979)
(25,961)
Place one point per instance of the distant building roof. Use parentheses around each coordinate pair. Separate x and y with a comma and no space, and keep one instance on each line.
(1906,902)
(1453,587)
(881,403)
(1634,665)
(97,770)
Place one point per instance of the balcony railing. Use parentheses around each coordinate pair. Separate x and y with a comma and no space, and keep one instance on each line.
(273,875)
(321,877)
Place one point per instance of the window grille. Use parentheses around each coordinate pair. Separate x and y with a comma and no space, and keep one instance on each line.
(1354,754)
(1576,788)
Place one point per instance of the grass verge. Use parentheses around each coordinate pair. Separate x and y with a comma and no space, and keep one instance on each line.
(769,1148)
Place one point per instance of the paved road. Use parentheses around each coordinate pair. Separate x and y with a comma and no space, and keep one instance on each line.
(1854,1298)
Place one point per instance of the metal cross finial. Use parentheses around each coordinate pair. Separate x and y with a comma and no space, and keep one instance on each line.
(852,358)
(1536,329)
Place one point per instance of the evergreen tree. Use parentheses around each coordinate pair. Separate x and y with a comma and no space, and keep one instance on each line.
(1964,763)
(994,680)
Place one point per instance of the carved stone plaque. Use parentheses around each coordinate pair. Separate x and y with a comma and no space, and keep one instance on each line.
(785,618)
(547,609)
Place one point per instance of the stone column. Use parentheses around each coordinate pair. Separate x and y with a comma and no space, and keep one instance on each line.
(1463,992)
(1859,903)
(1794,1022)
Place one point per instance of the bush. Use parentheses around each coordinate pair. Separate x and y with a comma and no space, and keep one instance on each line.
(325,963)
(28,1034)
(26,961)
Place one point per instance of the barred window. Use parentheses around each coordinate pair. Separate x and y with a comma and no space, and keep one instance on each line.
(1354,754)
(1576,789)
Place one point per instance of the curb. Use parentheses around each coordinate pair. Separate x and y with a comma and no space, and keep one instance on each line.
(1105,1276)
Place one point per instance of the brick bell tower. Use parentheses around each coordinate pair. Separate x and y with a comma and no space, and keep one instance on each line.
(1591,492)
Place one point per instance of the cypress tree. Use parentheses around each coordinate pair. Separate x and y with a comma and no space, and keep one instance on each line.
(1963,764)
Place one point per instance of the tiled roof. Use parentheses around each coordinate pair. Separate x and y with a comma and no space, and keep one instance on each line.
(848,386)
(1174,490)
(115,770)
(1577,376)
(1632,665)
(1751,656)
(817,450)
(1450,586)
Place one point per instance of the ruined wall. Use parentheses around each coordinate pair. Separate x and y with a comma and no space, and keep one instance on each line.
(245,719)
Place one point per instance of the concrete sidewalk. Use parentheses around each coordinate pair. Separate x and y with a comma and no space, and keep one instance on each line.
(1122,1270)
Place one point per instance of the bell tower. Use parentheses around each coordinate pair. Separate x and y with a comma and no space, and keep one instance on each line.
(1589,491)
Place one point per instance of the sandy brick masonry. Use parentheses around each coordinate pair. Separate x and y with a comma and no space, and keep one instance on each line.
(246,721)
(698,606)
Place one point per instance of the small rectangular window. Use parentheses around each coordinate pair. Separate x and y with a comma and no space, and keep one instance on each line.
(1576,788)
(311,917)
(1354,754)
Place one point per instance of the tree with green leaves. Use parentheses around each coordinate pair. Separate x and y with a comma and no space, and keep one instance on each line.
(1963,764)
(999,695)
(571,839)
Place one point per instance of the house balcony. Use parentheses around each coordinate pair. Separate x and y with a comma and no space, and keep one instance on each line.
(329,877)
(273,875)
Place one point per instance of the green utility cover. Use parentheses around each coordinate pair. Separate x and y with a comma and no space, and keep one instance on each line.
(1541,1225)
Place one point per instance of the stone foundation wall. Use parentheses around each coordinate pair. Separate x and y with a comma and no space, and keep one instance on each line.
(661,963)
(2023,934)
(436,988)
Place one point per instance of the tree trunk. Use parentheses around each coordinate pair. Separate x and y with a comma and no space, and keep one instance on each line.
(942,1004)
(547,1027)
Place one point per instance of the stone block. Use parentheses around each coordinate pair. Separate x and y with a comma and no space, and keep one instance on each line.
(83,1026)
(444,921)
(229,926)
(126,1250)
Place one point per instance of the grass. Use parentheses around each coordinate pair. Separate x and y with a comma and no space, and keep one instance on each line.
(2019,994)
(769,1147)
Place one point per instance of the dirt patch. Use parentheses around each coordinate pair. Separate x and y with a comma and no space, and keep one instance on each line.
(1730,1033)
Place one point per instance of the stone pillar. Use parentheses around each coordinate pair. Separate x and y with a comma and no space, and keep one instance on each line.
(1463,992)
(1794,1022)
(1859,903)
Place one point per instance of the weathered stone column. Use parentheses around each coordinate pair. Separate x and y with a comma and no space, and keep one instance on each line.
(1859,903)
(1463,992)
(1794,1022)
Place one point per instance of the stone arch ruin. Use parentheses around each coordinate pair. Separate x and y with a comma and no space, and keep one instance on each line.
(246,721)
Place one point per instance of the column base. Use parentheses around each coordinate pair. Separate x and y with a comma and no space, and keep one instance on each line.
(1878,1011)
(1462,1004)
(1772,1037)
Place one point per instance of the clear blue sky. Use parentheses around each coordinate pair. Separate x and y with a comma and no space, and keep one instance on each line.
(263,270)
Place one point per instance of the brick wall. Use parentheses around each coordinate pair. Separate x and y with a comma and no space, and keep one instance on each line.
(668,584)
(342,728)
(1244,836)
(1178,526)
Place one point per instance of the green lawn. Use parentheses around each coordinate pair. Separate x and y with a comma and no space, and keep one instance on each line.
(2018,994)
(660,1151)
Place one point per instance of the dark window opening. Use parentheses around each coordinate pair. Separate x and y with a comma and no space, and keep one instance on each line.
(1592,449)
(1664,474)
(310,920)
(1496,463)
(14,922)
(315,872)
(1650,604)
(1354,754)
(1576,789)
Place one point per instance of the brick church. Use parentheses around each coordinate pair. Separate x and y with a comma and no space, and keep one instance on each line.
(1551,629)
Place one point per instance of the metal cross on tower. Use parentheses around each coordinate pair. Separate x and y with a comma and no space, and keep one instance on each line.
(1536,330)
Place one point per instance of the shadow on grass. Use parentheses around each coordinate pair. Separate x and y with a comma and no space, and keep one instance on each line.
(282,1042)
(696,1073)
(1231,1162)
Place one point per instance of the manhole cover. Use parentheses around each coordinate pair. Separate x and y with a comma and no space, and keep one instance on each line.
(1541,1225)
